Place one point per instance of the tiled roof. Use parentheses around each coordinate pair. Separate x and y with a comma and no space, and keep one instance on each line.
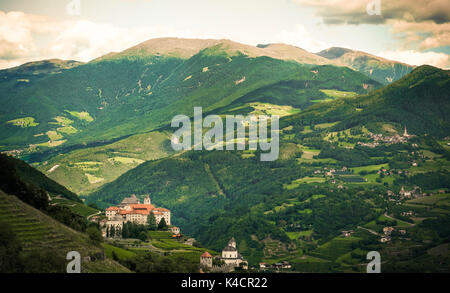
(206,254)
(113,209)
(162,210)
(135,212)
(140,209)
(142,206)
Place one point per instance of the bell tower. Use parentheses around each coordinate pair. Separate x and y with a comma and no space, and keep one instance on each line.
(147,200)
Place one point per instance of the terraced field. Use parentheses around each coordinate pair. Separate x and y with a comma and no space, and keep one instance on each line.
(39,232)
(160,242)
(36,230)
(76,207)
(333,249)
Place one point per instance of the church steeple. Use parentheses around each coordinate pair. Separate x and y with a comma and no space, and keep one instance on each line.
(147,200)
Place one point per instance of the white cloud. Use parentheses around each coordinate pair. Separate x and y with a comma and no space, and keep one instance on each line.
(418,25)
(85,40)
(303,39)
(426,34)
(79,40)
(17,31)
(418,58)
(355,12)
(82,40)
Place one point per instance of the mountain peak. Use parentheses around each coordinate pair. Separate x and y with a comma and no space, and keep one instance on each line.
(179,47)
(186,48)
(344,55)
(378,68)
(334,52)
(43,67)
(428,69)
(425,73)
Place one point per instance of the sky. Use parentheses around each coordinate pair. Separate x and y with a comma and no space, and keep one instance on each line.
(410,31)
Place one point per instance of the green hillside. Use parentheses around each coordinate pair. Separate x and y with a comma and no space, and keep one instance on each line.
(85,170)
(102,130)
(306,87)
(86,126)
(160,253)
(19,170)
(418,101)
(38,235)
(293,209)
(139,90)
(38,229)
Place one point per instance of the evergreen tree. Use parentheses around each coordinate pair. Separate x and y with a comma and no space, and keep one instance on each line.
(151,222)
(162,224)
(112,232)
(125,233)
(143,236)
(94,234)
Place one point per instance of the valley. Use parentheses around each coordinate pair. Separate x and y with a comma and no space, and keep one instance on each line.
(363,165)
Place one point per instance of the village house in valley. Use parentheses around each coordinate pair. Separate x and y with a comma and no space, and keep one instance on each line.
(131,210)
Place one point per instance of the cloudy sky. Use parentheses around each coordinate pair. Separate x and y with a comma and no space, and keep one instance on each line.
(411,31)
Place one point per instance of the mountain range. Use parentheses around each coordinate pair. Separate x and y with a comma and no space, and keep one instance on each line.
(137,91)
(102,130)
(380,69)
(155,78)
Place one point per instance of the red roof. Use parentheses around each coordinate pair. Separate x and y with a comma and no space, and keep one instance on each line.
(135,212)
(206,254)
(113,209)
(142,206)
(161,210)
(141,209)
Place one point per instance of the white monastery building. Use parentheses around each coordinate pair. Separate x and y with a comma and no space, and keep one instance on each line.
(131,210)
(231,256)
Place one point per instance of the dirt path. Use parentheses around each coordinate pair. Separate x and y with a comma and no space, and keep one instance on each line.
(387,216)
(369,230)
(90,216)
